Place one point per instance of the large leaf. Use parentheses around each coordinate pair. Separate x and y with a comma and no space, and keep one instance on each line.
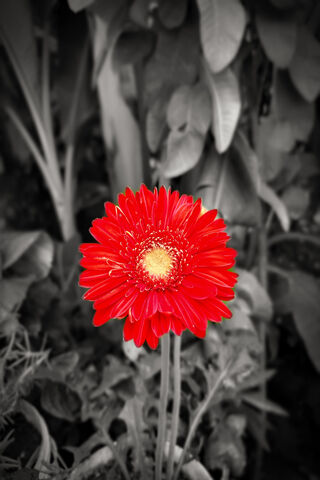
(17,35)
(190,107)
(304,303)
(13,293)
(222,24)
(278,37)
(273,141)
(305,66)
(184,150)
(297,200)
(225,183)
(174,62)
(120,129)
(226,105)
(188,116)
(132,46)
(257,298)
(73,72)
(30,253)
(291,111)
(60,401)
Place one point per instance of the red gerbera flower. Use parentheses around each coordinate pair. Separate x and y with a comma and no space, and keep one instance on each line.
(160,262)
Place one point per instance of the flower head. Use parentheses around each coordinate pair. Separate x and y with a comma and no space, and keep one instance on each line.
(162,262)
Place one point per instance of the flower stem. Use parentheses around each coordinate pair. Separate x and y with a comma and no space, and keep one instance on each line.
(164,390)
(176,403)
(199,415)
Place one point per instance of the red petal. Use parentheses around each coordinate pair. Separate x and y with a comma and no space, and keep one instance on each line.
(160,324)
(137,310)
(152,339)
(101,316)
(89,278)
(106,289)
(177,326)
(140,330)
(121,308)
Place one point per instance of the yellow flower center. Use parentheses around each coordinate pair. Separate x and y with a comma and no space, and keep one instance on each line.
(157,262)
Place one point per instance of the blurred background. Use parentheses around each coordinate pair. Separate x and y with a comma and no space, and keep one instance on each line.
(215,98)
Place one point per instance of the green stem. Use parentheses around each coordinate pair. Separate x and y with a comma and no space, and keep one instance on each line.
(176,403)
(201,411)
(164,390)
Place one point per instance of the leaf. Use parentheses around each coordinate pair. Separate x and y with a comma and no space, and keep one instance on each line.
(224,448)
(65,363)
(172,14)
(33,416)
(188,116)
(222,25)
(113,373)
(17,34)
(271,198)
(249,288)
(200,109)
(78,5)
(305,65)
(120,130)
(131,351)
(72,81)
(257,401)
(37,260)
(270,149)
(178,107)
(297,200)
(184,150)
(226,183)
(304,302)
(14,244)
(190,107)
(226,106)
(278,35)
(291,110)
(133,46)
(240,320)
(13,292)
(140,13)
(61,402)
(156,126)
(249,157)
(174,62)
(257,379)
